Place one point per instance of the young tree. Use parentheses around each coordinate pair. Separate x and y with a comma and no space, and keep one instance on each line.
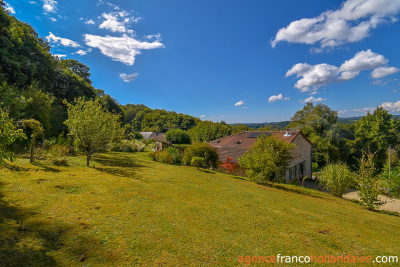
(267,158)
(228,164)
(198,162)
(37,129)
(367,181)
(8,135)
(92,127)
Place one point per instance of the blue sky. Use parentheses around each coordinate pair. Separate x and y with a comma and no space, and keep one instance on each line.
(237,61)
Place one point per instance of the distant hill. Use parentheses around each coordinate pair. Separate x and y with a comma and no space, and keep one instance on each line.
(283,124)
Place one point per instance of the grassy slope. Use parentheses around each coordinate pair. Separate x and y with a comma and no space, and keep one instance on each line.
(128,210)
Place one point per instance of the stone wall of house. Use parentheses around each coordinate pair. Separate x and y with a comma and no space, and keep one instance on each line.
(302,153)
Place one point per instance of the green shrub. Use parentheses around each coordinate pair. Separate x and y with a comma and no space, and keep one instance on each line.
(176,154)
(202,150)
(162,156)
(177,136)
(336,178)
(128,146)
(198,162)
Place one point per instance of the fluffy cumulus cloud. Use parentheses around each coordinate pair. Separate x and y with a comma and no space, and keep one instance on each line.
(118,21)
(240,103)
(312,99)
(275,98)
(313,77)
(60,55)
(391,106)
(49,6)
(202,116)
(123,49)
(383,72)
(128,77)
(364,60)
(352,22)
(61,41)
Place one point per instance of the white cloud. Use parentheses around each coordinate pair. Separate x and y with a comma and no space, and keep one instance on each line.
(240,103)
(63,41)
(123,49)
(364,60)
(312,99)
(277,98)
(60,55)
(32,2)
(111,23)
(9,8)
(83,52)
(49,6)
(155,36)
(128,77)
(383,72)
(351,23)
(202,116)
(313,77)
(53,19)
(118,21)
(391,107)
(90,22)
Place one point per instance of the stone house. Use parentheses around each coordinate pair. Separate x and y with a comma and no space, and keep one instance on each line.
(236,145)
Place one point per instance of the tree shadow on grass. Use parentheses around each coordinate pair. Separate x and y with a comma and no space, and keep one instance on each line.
(27,241)
(45,168)
(118,165)
(296,190)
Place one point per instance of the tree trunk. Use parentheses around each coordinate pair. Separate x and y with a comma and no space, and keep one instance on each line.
(87,159)
(32,147)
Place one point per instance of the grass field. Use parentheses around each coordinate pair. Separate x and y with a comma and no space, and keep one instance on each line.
(127,210)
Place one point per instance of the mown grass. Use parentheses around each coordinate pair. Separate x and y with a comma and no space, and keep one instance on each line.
(127,210)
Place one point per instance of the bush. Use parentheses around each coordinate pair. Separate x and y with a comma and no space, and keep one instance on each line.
(202,150)
(198,162)
(336,178)
(162,156)
(176,154)
(128,146)
(177,136)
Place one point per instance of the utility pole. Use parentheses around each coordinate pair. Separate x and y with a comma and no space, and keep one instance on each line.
(390,163)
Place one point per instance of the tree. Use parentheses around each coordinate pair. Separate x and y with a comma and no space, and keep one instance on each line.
(177,136)
(92,127)
(8,135)
(267,158)
(319,124)
(336,178)
(374,133)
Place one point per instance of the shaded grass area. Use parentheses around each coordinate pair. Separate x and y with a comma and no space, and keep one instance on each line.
(127,210)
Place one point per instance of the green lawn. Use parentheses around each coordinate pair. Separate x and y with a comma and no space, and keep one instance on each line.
(127,210)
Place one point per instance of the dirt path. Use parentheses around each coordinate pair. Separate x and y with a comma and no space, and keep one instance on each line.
(390,205)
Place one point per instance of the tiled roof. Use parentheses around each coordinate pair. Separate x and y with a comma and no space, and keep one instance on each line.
(236,145)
